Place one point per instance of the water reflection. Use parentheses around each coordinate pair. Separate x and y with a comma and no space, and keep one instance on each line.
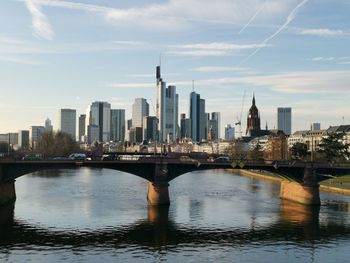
(297,223)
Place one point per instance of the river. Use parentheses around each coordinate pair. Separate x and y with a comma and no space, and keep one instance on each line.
(100,215)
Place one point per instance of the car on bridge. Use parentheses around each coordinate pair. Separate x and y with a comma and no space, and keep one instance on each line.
(77,156)
(33,157)
(222,159)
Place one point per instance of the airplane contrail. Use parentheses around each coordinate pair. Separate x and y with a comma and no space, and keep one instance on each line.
(289,19)
(252,18)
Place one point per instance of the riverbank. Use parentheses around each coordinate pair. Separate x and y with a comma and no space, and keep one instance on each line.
(325,186)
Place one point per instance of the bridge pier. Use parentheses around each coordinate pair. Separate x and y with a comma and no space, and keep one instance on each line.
(158,193)
(7,193)
(306,193)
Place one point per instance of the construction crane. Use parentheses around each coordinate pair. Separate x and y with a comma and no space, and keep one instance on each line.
(239,120)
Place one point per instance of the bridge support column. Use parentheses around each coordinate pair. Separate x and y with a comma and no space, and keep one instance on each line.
(7,193)
(158,193)
(300,193)
(307,193)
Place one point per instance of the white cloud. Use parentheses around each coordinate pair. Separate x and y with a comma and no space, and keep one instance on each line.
(221,69)
(323,59)
(21,61)
(132,85)
(212,49)
(303,82)
(40,23)
(323,32)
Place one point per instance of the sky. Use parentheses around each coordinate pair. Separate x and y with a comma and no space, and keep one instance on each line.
(66,54)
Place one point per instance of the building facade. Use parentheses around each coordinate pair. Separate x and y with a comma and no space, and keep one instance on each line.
(118,125)
(67,121)
(150,131)
(99,114)
(81,131)
(23,139)
(284,120)
(35,133)
(229,132)
(140,109)
(198,118)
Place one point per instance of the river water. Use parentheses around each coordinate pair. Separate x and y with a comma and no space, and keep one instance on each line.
(100,215)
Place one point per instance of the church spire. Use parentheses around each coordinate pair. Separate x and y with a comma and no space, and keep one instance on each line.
(253,98)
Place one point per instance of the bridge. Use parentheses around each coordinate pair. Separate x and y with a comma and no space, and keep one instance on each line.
(301,184)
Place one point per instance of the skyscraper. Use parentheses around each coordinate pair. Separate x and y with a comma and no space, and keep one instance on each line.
(150,128)
(81,132)
(48,125)
(35,133)
(140,109)
(185,126)
(167,109)
(229,132)
(215,123)
(284,120)
(198,117)
(118,125)
(99,114)
(67,121)
(23,139)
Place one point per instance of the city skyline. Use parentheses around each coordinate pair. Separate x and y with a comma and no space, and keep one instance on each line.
(65,54)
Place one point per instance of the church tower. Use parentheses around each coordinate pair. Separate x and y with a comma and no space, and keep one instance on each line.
(253,120)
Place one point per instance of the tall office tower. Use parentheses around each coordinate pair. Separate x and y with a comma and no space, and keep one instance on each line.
(167,109)
(198,117)
(118,125)
(129,124)
(150,128)
(81,132)
(92,133)
(23,139)
(215,120)
(229,132)
(140,109)
(99,114)
(284,120)
(135,135)
(35,133)
(185,126)
(67,121)
(316,126)
(48,125)
(253,119)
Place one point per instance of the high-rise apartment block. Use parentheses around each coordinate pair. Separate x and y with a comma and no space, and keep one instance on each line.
(284,120)
(167,109)
(99,114)
(67,121)
(118,125)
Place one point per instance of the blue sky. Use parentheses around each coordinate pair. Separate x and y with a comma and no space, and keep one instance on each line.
(66,54)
